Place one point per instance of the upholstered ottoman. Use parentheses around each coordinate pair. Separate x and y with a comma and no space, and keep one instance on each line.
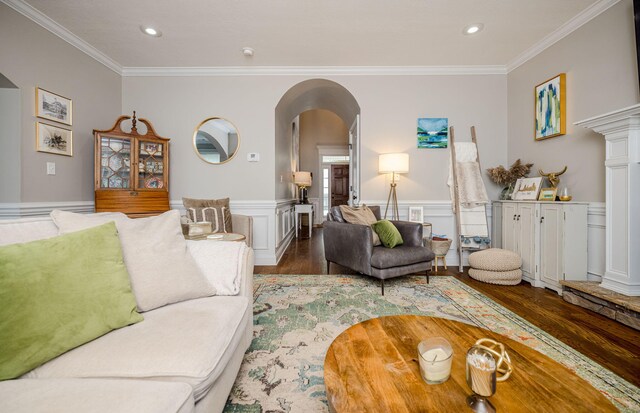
(496,266)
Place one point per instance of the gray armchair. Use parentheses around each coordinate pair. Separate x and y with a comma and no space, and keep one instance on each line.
(351,246)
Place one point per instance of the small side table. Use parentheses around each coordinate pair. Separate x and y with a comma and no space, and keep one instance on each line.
(303,209)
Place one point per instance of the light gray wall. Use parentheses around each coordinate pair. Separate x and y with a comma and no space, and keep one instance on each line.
(10,137)
(319,127)
(31,56)
(390,106)
(176,105)
(600,63)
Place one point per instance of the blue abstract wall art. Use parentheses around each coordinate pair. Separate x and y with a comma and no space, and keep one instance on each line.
(433,133)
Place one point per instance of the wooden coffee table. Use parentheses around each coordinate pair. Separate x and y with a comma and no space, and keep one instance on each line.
(373,367)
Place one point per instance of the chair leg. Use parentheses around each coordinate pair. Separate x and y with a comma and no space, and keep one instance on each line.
(328,265)
(382,285)
(427,272)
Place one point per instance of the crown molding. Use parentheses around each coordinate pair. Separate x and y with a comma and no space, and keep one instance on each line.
(563,31)
(46,22)
(315,71)
(49,24)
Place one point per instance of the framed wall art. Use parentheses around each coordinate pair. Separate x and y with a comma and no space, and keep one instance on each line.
(53,139)
(416,214)
(550,108)
(433,133)
(53,107)
(527,189)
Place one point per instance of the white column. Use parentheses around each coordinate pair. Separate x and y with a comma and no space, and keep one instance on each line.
(621,130)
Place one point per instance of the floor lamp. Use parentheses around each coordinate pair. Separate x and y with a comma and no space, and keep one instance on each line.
(393,163)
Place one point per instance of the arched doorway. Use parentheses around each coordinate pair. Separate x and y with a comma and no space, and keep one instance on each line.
(309,95)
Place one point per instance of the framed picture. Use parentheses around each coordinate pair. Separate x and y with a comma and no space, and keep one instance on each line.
(527,189)
(433,133)
(53,107)
(550,108)
(53,139)
(548,194)
(416,214)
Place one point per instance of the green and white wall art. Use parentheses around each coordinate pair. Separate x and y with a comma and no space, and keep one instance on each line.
(550,108)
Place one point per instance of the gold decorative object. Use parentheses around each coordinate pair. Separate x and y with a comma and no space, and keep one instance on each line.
(503,362)
(553,176)
(564,195)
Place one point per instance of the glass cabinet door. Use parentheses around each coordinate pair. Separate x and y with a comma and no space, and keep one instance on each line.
(115,163)
(151,165)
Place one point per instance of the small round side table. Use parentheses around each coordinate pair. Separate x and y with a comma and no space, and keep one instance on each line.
(222,236)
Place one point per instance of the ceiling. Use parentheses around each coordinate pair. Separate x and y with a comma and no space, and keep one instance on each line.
(211,33)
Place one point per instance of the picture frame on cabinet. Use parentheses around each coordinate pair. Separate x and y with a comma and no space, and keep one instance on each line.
(527,189)
(416,214)
(54,107)
(548,194)
(53,139)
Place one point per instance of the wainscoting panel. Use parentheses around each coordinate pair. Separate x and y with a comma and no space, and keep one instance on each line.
(596,239)
(440,215)
(286,227)
(273,224)
(34,209)
(267,227)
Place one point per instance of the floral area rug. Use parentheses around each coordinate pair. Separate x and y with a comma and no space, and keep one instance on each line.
(296,317)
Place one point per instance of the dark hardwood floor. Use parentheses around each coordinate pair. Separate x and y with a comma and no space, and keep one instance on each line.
(605,341)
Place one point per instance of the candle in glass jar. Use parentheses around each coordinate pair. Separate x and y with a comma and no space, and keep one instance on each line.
(435,360)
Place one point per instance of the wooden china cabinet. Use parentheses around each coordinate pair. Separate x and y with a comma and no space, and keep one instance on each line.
(131,170)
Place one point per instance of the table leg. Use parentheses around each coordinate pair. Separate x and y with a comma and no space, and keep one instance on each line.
(310,222)
(296,223)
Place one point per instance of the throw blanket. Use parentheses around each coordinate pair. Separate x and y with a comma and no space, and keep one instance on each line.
(471,190)
(221,262)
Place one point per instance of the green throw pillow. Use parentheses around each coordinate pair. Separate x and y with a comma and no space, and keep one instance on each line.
(59,293)
(388,233)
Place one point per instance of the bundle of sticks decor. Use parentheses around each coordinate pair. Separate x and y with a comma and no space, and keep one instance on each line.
(508,177)
(482,370)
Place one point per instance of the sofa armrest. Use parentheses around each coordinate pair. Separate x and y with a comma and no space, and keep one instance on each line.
(349,245)
(243,224)
(411,233)
(227,265)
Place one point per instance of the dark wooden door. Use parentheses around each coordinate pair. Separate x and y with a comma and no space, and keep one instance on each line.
(339,185)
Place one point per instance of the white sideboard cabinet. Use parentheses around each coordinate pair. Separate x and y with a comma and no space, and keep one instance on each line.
(551,238)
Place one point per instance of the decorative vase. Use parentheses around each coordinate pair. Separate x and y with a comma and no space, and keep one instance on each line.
(507,192)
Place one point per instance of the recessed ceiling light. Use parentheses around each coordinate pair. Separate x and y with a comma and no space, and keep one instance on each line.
(247,51)
(473,28)
(150,31)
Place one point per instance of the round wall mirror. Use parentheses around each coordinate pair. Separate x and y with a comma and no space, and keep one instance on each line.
(216,140)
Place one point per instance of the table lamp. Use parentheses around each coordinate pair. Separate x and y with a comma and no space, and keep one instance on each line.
(303,180)
(393,163)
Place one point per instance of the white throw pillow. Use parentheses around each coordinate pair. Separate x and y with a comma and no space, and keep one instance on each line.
(161,269)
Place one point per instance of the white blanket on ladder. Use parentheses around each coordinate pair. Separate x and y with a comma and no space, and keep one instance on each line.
(473,194)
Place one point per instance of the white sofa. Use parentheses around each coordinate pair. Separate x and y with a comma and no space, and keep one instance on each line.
(183,357)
